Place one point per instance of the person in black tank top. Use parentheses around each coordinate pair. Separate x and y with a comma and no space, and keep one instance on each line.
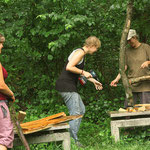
(66,84)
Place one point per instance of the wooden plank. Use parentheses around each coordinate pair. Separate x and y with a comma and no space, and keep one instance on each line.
(142,105)
(62,114)
(45,125)
(124,114)
(59,127)
(45,138)
(54,127)
(29,125)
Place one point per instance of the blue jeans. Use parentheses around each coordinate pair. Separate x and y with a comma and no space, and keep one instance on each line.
(75,106)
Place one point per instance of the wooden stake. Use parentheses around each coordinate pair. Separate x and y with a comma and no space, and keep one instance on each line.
(21,116)
(123,41)
(17,125)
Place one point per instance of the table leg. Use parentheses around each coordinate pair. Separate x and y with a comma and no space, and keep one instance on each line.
(115,131)
(66,142)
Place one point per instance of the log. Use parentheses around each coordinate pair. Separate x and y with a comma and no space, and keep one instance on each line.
(139,79)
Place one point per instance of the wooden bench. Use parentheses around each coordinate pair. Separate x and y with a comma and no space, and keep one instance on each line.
(58,132)
(135,119)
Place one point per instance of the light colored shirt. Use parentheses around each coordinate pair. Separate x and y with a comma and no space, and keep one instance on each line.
(135,57)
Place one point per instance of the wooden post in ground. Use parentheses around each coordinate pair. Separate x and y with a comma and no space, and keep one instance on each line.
(123,41)
(17,125)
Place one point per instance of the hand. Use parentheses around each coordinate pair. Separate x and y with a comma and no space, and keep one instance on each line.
(87,74)
(98,85)
(114,83)
(12,98)
(145,64)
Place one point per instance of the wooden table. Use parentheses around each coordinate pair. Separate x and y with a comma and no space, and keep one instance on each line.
(127,119)
(56,133)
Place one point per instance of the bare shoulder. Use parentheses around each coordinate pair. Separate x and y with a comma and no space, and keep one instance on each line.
(79,52)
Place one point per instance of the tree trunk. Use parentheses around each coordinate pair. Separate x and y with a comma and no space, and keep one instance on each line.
(123,41)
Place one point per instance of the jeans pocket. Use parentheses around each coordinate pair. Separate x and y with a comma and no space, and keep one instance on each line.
(4,112)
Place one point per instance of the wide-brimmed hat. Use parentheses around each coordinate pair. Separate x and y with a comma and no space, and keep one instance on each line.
(131,34)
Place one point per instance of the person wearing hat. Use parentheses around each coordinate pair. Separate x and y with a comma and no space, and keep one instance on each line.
(137,60)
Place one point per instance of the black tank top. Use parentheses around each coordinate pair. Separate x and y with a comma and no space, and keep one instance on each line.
(67,81)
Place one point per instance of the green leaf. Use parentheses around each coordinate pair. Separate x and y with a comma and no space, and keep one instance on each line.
(50,57)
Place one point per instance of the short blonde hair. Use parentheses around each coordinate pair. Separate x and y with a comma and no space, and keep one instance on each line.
(92,41)
(2,38)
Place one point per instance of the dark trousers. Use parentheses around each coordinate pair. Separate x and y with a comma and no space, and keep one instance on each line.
(140,98)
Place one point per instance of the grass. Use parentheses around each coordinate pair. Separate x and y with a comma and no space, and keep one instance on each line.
(98,137)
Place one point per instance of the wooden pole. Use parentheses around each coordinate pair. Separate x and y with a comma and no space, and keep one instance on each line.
(139,79)
(17,125)
(123,41)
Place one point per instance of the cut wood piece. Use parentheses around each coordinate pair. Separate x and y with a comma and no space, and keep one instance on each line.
(122,110)
(147,108)
(25,131)
(45,125)
(54,121)
(21,116)
(142,105)
(60,124)
(141,108)
(132,110)
(24,125)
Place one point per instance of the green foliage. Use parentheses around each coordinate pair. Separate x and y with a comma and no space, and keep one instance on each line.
(41,34)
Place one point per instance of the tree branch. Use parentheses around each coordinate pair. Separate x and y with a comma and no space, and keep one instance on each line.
(123,41)
(139,79)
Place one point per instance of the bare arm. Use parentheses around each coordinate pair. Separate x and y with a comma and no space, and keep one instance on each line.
(97,84)
(76,58)
(3,86)
(116,80)
(146,63)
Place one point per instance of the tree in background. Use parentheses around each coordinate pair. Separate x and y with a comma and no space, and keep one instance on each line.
(40,34)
